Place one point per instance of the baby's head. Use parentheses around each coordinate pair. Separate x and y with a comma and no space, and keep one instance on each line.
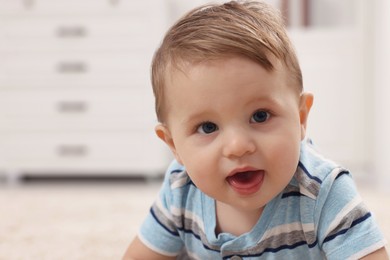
(249,29)
(229,99)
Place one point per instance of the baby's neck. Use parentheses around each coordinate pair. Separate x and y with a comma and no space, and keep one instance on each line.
(235,221)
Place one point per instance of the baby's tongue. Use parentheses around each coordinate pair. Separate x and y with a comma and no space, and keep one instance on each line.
(244,179)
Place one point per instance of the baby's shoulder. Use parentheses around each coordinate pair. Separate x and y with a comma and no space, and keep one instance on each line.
(176,176)
(178,186)
(315,172)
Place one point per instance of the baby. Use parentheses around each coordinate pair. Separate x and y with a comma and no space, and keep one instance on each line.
(245,182)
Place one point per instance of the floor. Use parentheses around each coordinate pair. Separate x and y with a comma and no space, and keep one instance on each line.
(93,221)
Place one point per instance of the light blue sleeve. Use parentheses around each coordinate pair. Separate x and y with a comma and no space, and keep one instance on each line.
(346,228)
(158,231)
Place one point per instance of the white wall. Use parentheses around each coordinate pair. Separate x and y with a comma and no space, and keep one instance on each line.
(334,13)
(381,52)
(332,64)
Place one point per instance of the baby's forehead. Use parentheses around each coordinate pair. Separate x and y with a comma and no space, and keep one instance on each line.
(186,66)
(191,71)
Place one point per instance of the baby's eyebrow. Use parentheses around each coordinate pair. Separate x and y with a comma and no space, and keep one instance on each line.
(195,118)
(266,99)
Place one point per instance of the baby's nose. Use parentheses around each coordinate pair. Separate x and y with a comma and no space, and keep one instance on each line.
(238,143)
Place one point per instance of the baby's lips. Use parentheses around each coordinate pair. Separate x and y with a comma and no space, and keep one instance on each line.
(246,181)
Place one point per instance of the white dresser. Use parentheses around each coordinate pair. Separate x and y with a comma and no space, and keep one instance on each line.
(75,94)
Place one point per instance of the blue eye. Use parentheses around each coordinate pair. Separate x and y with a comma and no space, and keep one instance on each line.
(207,128)
(260,116)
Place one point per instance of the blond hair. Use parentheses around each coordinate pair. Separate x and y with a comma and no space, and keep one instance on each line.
(250,29)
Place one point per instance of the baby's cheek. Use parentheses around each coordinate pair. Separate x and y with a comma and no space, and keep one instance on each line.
(285,155)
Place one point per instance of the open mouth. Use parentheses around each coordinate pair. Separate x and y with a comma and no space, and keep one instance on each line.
(246,182)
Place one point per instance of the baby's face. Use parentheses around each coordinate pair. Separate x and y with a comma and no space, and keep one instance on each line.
(236,128)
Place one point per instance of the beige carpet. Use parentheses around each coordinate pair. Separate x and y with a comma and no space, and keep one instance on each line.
(70,221)
(80,221)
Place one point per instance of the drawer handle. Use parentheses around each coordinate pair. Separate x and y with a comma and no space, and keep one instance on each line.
(67,150)
(72,107)
(71,32)
(72,67)
(28,3)
(114,2)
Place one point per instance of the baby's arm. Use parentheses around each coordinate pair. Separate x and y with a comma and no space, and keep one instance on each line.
(346,228)
(138,251)
(380,254)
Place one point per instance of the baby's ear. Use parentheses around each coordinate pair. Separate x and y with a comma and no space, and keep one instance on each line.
(305,103)
(164,134)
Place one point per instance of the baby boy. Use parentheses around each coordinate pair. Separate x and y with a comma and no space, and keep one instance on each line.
(245,182)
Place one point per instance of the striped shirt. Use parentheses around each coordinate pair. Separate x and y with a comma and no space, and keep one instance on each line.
(319,215)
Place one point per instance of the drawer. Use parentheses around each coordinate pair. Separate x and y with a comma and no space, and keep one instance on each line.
(131,103)
(26,8)
(143,44)
(70,69)
(76,123)
(80,27)
(74,80)
(136,152)
(68,111)
(76,63)
(81,34)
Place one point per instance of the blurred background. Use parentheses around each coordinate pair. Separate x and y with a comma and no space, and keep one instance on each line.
(77,142)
